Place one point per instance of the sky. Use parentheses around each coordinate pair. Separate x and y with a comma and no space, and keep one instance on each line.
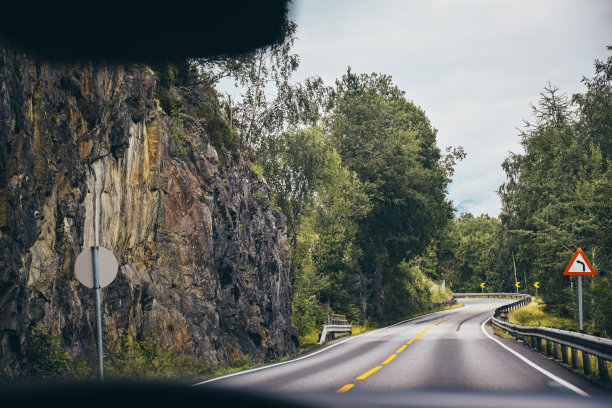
(473,66)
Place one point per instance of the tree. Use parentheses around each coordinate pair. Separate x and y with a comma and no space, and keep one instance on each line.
(270,103)
(557,197)
(323,202)
(390,144)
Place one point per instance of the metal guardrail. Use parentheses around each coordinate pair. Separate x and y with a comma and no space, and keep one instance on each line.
(337,319)
(336,324)
(485,294)
(559,343)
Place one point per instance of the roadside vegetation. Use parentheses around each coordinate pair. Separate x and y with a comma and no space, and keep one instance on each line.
(555,200)
(355,168)
(534,314)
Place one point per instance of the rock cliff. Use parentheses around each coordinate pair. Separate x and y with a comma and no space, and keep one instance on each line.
(86,150)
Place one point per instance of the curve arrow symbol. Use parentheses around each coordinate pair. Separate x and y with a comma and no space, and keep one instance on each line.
(482,285)
(537,284)
(517,284)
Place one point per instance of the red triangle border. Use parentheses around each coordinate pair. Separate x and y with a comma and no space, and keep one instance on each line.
(579,252)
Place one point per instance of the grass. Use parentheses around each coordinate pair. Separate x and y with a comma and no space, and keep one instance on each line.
(534,315)
(502,333)
(455,306)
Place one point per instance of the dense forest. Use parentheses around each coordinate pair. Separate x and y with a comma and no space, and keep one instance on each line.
(557,198)
(356,170)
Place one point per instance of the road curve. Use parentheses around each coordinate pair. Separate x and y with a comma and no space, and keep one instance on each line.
(444,351)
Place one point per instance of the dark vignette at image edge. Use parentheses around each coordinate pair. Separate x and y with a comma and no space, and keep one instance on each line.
(149,31)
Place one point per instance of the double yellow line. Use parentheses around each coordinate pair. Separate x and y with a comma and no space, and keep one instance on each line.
(365,375)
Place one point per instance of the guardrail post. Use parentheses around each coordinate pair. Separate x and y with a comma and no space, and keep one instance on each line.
(549,348)
(603,369)
(539,344)
(556,350)
(586,363)
(564,353)
(574,357)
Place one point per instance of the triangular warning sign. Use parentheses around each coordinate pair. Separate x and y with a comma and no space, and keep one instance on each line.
(579,265)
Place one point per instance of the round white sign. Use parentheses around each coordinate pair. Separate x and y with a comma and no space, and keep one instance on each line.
(107,267)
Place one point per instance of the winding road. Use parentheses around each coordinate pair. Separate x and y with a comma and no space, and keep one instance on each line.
(453,350)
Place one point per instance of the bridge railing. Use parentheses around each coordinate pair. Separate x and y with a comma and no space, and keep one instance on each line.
(336,324)
(559,344)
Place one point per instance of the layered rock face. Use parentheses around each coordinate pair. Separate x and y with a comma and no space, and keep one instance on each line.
(204,259)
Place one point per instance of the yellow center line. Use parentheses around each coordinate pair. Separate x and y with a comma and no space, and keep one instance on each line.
(345,388)
(391,357)
(368,373)
(365,375)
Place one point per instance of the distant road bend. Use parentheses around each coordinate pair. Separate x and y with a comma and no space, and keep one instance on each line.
(453,350)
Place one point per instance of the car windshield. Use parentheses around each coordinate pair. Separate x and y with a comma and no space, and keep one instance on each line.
(348,203)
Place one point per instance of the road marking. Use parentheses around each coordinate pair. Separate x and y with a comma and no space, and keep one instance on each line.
(345,388)
(401,349)
(391,357)
(368,373)
(534,365)
(410,341)
(252,370)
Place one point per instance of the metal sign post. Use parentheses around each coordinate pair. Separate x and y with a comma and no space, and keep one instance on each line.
(579,266)
(96,268)
(96,283)
(580,302)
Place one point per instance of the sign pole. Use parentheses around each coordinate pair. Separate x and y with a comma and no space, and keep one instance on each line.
(579,266)
(580,302)
(96,283)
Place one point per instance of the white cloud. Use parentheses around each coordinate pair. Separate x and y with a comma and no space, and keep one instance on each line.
(472,65)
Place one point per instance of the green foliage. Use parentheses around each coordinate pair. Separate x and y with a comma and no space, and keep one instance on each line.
(177,137)
(469,252)
(217,128)
(355,170)
(557,196)
(390,144)
(322,201)
(184,94)
(129,357)
(256,169)
(534,314)
(259,74)
(406,293)
(46,358)
(599,305)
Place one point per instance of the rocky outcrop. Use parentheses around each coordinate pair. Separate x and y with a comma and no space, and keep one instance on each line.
(84,151)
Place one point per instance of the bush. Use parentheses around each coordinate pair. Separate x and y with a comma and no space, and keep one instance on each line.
(45,356)
(177,136)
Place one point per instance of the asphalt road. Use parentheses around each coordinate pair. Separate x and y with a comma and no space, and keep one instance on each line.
(446,351)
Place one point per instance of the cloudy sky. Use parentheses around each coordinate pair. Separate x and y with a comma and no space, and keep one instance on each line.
(473,66)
